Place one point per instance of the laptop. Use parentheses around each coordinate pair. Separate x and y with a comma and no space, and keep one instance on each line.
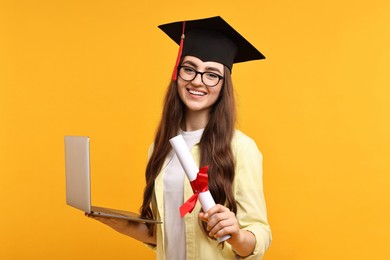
(78,182)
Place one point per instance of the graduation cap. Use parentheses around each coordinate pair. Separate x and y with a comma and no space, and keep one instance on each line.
(210,39)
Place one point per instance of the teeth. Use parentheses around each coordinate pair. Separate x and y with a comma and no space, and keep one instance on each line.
(194,92)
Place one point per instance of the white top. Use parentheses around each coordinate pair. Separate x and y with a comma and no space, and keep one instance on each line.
(175,242)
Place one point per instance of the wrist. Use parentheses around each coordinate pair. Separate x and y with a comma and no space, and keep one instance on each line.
(237,238)
(243,243)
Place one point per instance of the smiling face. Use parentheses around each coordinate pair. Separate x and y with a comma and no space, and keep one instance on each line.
(196,96)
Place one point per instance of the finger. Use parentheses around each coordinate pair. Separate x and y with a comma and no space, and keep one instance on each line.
(218,217)
(225,231)
(201,215)
(221,226)
(227,228)
(216,209)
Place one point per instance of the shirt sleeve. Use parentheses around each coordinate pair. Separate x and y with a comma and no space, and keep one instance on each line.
(248,185)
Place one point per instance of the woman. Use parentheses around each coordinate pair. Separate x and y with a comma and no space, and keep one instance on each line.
(199,104)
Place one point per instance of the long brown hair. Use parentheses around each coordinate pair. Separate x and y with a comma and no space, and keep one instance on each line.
(215,145)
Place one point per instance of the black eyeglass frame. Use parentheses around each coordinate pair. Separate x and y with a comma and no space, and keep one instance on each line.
(201,75)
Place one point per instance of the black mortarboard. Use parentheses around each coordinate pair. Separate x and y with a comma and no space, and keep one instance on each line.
(211,39)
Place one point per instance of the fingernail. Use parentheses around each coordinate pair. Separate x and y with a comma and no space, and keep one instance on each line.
(206,215)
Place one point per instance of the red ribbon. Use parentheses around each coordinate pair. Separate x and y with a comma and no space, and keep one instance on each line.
(200,184)
(174,73)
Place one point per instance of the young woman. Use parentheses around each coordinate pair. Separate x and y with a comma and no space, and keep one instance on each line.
(199,105)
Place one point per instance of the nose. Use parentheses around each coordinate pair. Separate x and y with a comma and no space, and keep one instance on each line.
(197,81)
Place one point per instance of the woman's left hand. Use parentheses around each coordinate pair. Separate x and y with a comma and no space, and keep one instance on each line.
(220,222)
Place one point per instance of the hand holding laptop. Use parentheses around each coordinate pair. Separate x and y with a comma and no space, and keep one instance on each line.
(134,229)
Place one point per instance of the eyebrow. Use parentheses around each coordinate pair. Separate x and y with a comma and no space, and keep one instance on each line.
(207,68)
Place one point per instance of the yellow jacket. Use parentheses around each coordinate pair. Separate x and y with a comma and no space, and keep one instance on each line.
(251,209)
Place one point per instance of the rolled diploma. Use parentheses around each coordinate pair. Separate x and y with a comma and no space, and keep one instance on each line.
(191,170)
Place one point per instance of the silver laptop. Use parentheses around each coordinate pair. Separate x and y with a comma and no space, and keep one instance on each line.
(78,184)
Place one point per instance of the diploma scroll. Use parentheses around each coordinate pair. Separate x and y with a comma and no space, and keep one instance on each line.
(191,170)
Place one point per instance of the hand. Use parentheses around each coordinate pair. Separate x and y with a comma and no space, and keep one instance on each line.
(136,230)
(120,225)
(220,222)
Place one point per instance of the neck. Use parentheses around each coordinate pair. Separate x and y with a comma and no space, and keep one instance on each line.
(195,120)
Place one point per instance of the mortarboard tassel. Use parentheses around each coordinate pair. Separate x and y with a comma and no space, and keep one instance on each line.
(174,74)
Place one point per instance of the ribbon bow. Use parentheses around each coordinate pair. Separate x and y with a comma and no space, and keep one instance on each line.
(200,184)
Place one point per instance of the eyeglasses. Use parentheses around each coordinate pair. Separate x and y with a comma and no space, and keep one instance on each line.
(210,79)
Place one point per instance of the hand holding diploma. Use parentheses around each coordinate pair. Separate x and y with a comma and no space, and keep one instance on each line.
(198,179)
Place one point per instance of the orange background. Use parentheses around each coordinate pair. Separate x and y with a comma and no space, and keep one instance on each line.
(318,108)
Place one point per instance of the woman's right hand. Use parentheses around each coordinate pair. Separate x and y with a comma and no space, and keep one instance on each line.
(120,225)
(136,230)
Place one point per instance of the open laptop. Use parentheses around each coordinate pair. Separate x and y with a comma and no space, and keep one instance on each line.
(78,184)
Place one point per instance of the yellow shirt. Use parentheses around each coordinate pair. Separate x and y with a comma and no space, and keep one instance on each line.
(251,209)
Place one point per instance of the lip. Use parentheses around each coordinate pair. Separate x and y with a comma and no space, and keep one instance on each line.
(196,93)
